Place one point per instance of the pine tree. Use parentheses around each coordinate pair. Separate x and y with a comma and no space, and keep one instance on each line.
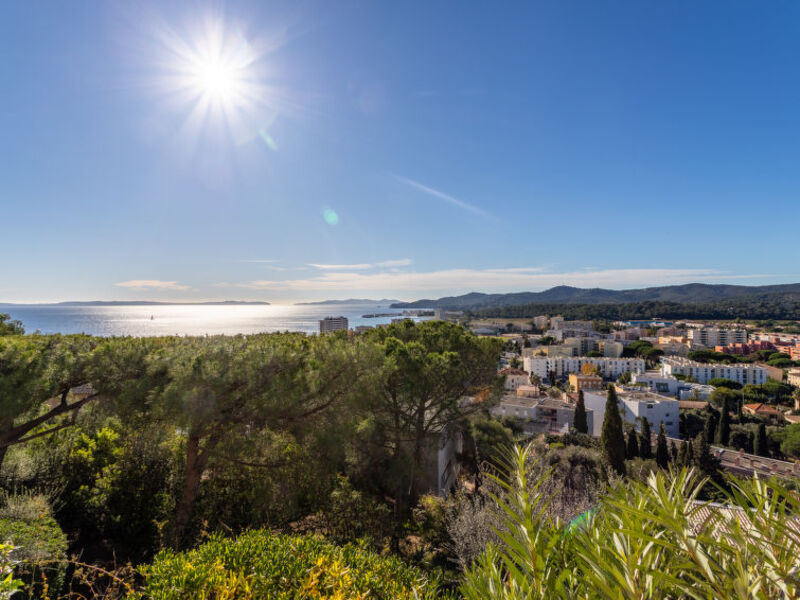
(612,438)
(662,452)
(645,444)
(632,447)
(723,432)
(580,415)
(761,444)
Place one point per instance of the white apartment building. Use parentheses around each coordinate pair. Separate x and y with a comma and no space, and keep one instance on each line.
(635,405)
(609,368)
(669,386)
(702,372)
(329,324)
(714,336)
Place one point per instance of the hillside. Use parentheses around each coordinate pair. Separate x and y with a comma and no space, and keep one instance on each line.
(690,293)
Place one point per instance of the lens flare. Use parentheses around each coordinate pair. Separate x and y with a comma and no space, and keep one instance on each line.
(330,216)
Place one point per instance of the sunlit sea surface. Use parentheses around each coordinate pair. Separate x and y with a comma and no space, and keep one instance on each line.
(172,319)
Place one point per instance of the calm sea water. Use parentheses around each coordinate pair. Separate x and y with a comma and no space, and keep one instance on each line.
(172,319)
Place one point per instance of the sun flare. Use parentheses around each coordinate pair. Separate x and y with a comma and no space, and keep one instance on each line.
(217,80)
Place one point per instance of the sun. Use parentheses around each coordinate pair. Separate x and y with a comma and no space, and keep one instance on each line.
(218,78)
(218,81)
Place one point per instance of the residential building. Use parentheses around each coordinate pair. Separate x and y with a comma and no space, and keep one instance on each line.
(541,322)
(763,410)
(555,322)
(743,373)
(775,373)
(581,382)
(673,348)
(792,349)
(710,337)
(611,349)
(540,415)
(608,368)
(793,377)
(363,328)
(631,334)
(559,350)
(529,391)
(515,378)
(329,324)
(582,345)
(745,349)
(636,404)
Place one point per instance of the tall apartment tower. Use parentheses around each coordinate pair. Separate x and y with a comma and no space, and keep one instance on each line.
(329,324)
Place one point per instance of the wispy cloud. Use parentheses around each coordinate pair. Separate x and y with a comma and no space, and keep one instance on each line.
(442,196)
(358,266)
(457,281)
(400,262)
(153,284)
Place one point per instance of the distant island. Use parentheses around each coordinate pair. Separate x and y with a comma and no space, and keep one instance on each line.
(141,303)
(348,301)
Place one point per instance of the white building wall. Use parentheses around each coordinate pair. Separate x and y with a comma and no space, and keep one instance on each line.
(663,410)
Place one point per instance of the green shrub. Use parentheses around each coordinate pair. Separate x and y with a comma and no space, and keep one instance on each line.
(39,544)
(261,564)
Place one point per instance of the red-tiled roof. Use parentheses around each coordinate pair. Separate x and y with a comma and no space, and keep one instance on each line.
(511,371)
(761,408)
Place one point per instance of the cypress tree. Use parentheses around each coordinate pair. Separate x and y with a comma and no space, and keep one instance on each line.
(662,452)
(723,433)
(690,452)
(710,427)
(645,444)
(612,438)
(750,442)
(632,448)
(673,451)
(707,463)
(580,415)
(761,444)
(683,455)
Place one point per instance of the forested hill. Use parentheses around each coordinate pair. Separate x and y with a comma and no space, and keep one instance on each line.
(723,309)
(691,293)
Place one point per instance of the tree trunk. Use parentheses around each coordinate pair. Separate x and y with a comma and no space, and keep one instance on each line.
(3,451)
(196,460)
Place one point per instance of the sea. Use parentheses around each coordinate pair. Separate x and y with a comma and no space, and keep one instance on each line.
(188,319)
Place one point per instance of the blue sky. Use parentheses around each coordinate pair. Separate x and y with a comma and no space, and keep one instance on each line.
(404,149)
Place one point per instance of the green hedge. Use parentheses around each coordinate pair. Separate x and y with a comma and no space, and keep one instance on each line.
(260,564)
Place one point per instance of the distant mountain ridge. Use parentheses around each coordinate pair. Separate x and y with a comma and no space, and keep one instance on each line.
(690,293)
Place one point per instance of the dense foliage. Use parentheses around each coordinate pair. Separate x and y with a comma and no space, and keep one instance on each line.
(260,564)
(728,309)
